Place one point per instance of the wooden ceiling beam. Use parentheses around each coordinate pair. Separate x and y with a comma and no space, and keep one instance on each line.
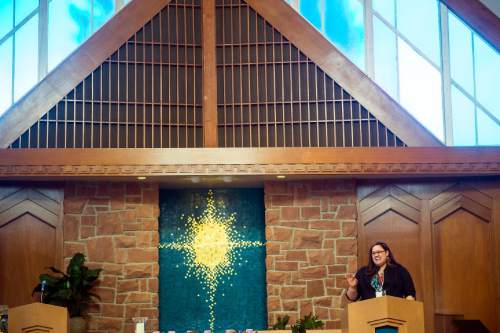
(321,51)
(67,75)
(354,162)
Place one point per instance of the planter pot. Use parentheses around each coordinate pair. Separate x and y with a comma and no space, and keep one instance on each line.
(77,325)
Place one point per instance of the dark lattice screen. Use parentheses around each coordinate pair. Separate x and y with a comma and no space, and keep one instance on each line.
(147,94)
(271,95)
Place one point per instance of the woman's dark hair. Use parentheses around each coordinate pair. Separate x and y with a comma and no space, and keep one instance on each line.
(372,268)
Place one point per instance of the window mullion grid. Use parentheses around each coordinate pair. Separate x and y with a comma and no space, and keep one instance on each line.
(91,18)
(323,18)
(43,38)
(13,53)
(369,45)
(474,86)
(446,74)
(395,30)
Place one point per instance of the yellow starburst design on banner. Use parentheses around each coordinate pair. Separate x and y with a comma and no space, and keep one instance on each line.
(212,247)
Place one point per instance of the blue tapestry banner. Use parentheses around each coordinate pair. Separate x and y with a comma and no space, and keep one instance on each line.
(212,260)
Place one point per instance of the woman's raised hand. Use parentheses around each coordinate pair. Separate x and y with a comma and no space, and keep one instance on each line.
(351,280)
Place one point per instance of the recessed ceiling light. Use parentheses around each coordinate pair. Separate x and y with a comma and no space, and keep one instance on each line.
(141,178)
(281,176)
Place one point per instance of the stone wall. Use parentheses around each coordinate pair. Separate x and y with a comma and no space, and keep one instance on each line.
(311,244)
(116,226)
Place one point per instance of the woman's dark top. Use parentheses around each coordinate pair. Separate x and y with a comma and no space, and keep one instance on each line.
(397,282)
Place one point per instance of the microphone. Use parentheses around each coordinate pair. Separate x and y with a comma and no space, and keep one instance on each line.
(42,289)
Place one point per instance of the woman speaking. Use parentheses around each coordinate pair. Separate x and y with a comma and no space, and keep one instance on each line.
(382,276)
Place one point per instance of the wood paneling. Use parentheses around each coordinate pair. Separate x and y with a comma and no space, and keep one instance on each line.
(39,318)
(464,276)
(30,239)
(392,215)
(402,235)
(461,197)
(452,250)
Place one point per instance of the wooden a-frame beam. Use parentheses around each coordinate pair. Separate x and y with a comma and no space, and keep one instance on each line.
(67,75)
(131,18)
(479,17)
(310,41)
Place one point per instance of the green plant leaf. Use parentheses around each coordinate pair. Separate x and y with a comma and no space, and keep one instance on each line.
(281,323)
(73,289)
(55,270)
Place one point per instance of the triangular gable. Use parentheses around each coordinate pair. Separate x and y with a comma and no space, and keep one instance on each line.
(310,41)
(271,94)
(75,68)
(86,118)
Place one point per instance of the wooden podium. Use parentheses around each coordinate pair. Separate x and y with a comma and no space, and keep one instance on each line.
(38,318)
(403,315)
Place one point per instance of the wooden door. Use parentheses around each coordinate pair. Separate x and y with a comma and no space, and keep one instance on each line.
(30,240)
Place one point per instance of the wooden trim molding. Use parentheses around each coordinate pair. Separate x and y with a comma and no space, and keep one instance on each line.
(16,120)
(310,41)
(479,17)
(357,162)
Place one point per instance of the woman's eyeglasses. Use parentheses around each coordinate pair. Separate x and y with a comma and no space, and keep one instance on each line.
(374,253)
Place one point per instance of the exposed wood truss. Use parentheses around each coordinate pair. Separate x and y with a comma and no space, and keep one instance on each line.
(76,67)
(261,88)
(298,31)
(479,17)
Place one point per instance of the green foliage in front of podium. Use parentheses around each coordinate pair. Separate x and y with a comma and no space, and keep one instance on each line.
(71,289)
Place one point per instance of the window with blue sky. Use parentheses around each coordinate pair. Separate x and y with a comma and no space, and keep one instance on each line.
(341,22)
(422,54)
(412,47)
(68,24)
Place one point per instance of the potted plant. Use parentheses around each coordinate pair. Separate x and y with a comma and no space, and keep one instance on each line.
(71,290)
(281,323)
(309,322)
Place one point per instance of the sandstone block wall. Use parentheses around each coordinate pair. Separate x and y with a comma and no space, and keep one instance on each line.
(311,244)
(116,226)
